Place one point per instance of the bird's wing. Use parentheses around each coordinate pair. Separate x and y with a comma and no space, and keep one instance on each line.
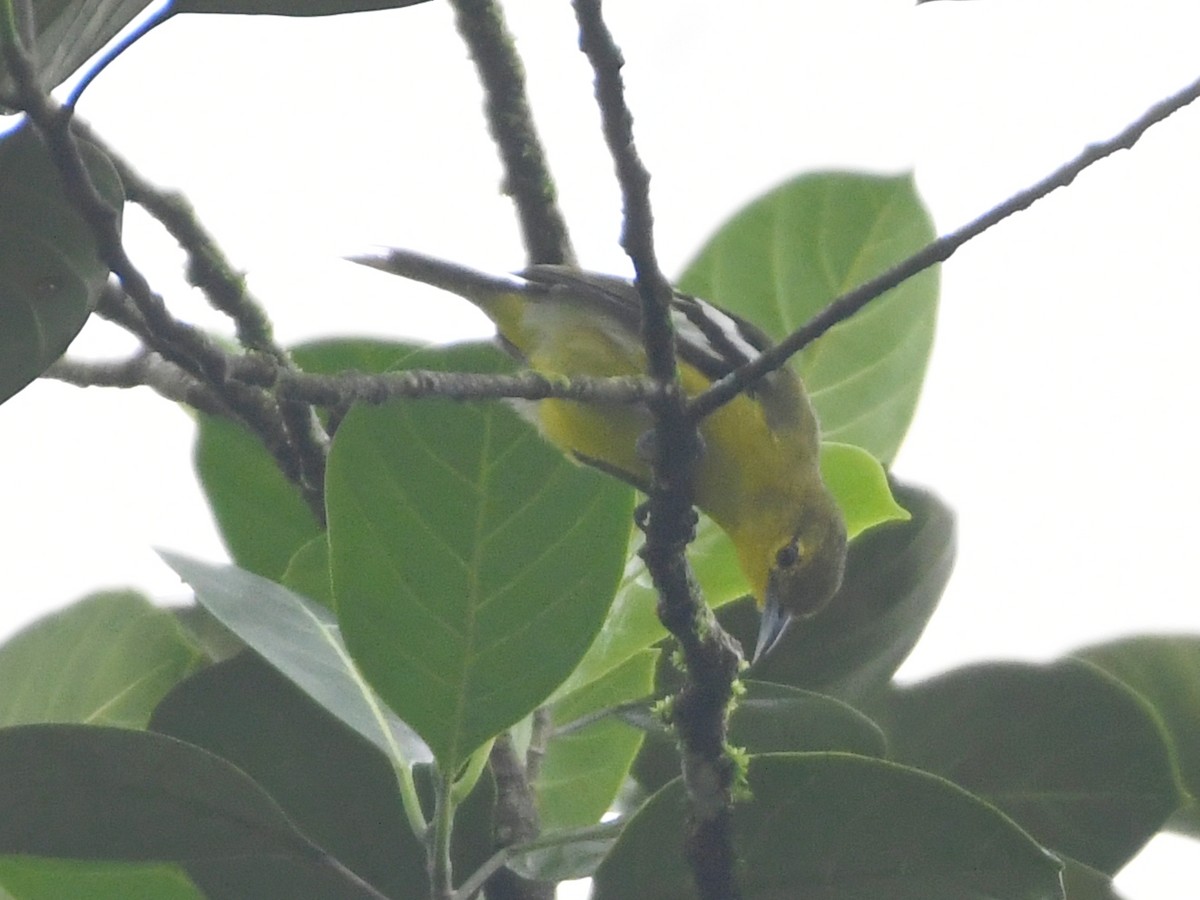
(710,339)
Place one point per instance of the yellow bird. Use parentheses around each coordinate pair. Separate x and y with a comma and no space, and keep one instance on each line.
(758,477)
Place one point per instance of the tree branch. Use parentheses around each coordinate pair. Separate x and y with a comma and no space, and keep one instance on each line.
(358,387)
(515,822)
(527,173)
(188,347)
(210,271)
(939,251)
(711,658)
(345,388)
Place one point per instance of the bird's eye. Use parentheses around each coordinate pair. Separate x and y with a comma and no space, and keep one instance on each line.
(788,556)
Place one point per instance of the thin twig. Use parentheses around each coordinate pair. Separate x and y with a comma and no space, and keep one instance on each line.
(145,369)
(939,251)
(527,174)
(712,658)
(539,739)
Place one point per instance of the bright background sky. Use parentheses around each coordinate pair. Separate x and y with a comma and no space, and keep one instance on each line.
(1054,419)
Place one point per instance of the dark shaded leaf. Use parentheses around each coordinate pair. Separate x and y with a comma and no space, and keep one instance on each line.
(1070,753)
(776,718)
(1165,670)
(330,781)
(839,827)
(90,792)
(768,718)
(67,33)
(287,7)
(50,272)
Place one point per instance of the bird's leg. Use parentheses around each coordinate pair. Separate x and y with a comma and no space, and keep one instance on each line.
(642,484)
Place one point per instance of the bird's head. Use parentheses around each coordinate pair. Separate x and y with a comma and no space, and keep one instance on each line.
(805,570)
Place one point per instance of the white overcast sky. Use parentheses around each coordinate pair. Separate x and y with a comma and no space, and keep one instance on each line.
(1055,416)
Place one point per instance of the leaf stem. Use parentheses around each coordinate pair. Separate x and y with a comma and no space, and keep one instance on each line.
(465,783)
(441,873)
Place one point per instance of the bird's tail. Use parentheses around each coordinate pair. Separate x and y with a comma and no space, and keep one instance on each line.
(480,288)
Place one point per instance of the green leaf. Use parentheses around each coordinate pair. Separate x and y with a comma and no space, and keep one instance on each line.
(339,789)
(31,878)
(584,769)
(89,792)
(895,575)
(261,516)
(632,624)
(333,355)
(1070,753)
(67,33)
(1165,671)
(106,660)
(768,718)
(577,854)
(287,7)
(214,641)
(860,486)
(839,827)
(472,563)
(50,272)
(300,639)
(776,718)
(308,572)
(786,255)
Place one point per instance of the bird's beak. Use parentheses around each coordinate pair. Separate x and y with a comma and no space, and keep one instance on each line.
(772,626)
